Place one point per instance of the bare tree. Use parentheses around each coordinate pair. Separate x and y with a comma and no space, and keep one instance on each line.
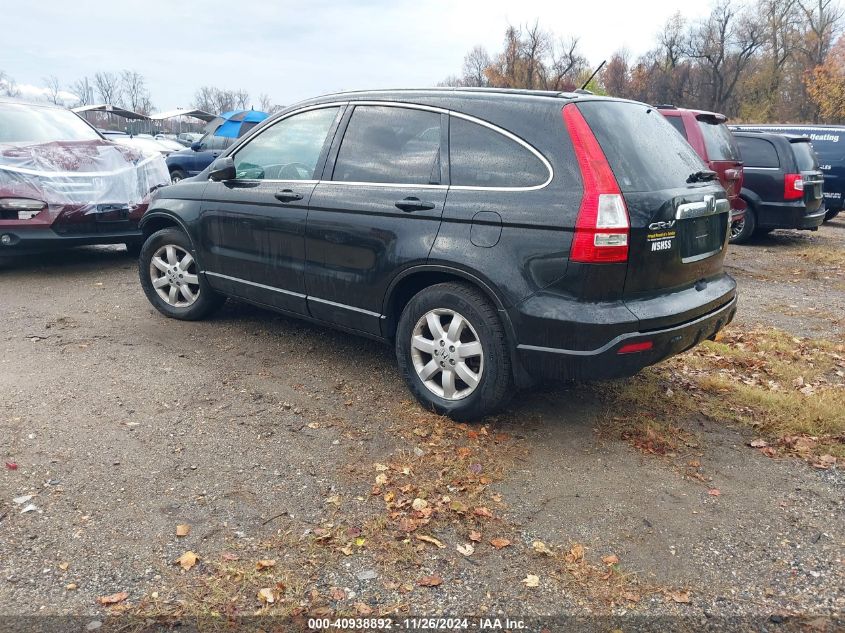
(83,91)
(265,104)
(476,63)
(108,87)
(822,23)
(134,90)
(8,86)
(242,99)
(54,89)
(564,66)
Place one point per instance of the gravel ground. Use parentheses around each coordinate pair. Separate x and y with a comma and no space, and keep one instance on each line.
(252,427)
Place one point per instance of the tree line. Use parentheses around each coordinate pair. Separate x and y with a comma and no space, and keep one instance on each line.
(762,61)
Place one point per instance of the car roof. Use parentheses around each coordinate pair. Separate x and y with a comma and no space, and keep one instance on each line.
(745,127)
(26,102)
(770,135)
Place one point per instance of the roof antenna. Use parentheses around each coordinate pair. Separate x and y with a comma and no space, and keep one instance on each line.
(595,72)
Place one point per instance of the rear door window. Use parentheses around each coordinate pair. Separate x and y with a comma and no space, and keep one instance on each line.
(805,157)
(757,152)
(482,157)
(678,123)
(718,140)
(387,144)
(643,149)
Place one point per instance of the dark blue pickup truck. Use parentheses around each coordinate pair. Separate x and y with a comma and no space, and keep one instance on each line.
(829,144)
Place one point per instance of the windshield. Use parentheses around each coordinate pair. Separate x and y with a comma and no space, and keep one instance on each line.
(645,152)
(20,123)
(718,140)
(805,157)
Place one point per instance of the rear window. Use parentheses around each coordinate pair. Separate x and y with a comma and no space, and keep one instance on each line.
(757,152)
(482,157)
(805,157)
(643,149)
(718,140)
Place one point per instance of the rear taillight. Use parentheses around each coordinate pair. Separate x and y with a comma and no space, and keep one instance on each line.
(793,187)
(602,228)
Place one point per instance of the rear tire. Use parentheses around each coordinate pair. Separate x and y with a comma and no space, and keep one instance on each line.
(742,231)
(171,278)
(176,175)
(831,214)
(453,352)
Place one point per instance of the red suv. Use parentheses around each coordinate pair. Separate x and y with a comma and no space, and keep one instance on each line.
(712,140)
(63,184)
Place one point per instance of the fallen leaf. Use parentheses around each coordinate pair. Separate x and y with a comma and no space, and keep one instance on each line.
(714,492)
(610,560)
(631,596)
(381,468)
(430,539)
(183,529)
(381,479)
(419,504)
(266,595)
(541,548)
(475,535)
(758,443)
(531,581)
(265,563)
(230,557)
(430,581)
(187,560)
(363,609)
(11,465)
(466,550)
(499,543)
(63,566)
(71,586)
(679,596)
(575,554)
(113,598)
(483,512)
(336,593)
(335,499)
(22,499)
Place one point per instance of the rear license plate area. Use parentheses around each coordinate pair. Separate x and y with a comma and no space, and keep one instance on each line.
(702,237)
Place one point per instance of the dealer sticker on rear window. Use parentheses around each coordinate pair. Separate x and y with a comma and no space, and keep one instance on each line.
(661,241)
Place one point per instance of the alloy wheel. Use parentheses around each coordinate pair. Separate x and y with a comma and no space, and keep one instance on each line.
(174,275)
(737,228)
(447,354)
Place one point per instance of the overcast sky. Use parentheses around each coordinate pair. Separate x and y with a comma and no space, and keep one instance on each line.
(293,50)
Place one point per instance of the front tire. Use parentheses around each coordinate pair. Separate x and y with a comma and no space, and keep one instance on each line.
(742,231)
(176,175)
(171,278)
(453,353)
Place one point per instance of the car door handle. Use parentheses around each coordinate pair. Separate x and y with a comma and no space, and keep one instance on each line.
(286,195)
(413,204)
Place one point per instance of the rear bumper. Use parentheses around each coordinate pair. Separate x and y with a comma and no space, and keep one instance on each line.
(548,363)
(23,241)
(789,215)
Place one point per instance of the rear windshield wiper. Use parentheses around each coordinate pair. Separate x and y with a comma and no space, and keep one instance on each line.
(702,176)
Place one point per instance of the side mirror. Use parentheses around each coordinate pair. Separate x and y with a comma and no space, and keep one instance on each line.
(222,169)
(196,146)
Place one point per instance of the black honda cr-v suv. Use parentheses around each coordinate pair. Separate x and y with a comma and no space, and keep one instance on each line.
(494,237)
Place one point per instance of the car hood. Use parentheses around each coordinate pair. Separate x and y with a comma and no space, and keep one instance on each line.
(80,172)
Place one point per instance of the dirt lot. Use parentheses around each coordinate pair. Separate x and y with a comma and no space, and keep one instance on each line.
(311,484)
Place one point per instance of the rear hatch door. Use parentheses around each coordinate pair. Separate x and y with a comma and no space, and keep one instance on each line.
(812,176)
(722,152)
(678,211)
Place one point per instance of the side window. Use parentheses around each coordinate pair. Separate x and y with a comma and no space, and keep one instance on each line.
(386,144)
(482,157)
(287,150)
(678,123)
(757,152)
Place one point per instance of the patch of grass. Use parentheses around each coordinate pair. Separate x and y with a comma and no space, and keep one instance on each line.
(782,386)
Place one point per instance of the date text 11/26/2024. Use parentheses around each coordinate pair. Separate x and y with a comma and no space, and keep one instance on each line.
(434,623)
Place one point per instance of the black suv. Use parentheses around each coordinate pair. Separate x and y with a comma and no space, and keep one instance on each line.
(494,237)
(782,185)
